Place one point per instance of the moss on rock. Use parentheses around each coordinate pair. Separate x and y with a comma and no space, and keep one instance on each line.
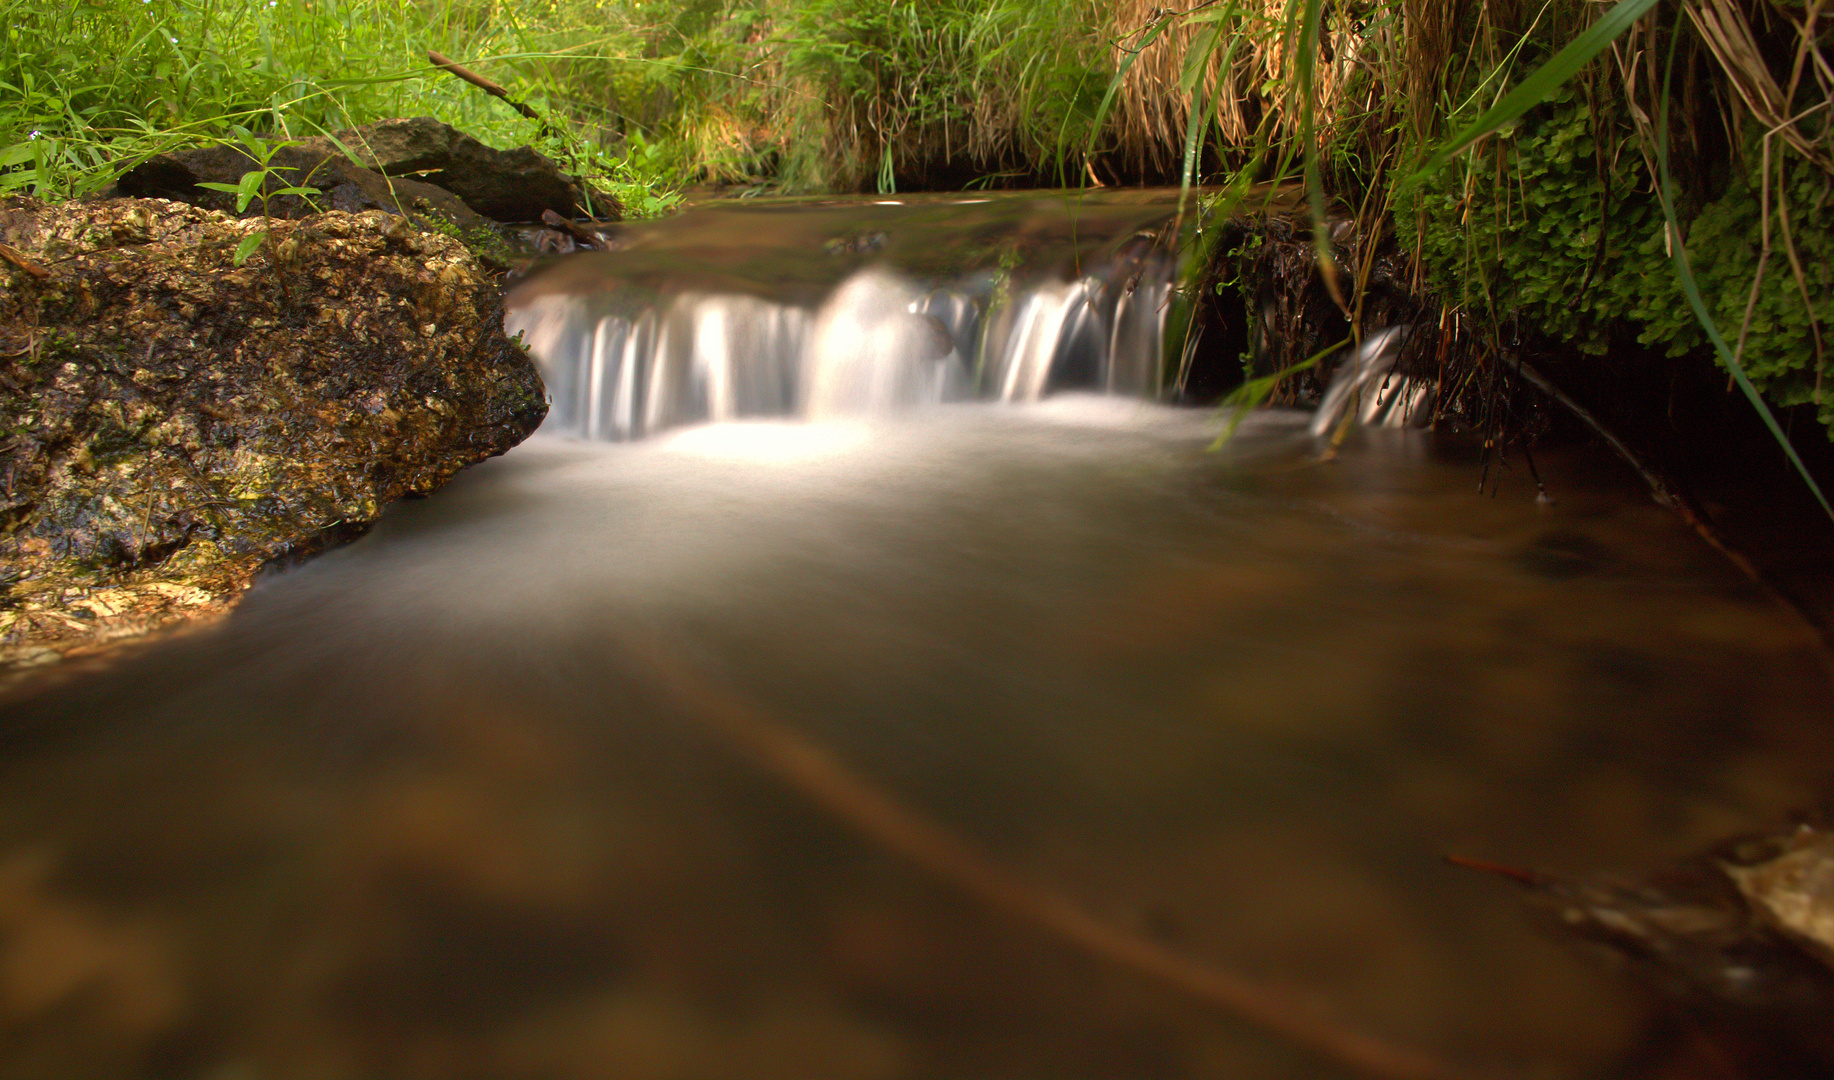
(173,422)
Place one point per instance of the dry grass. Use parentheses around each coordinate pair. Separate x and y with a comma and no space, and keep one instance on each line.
(1726,28)
(1237,60)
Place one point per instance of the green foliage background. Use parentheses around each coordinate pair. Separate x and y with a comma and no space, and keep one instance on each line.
(88,89)
(804,95)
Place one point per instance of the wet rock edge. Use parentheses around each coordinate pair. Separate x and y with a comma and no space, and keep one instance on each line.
(174,423)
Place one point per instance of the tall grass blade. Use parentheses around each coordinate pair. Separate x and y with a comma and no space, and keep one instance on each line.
(1202,118)
(1196,118)
(1120,73)
(1540,85)
(1684,273)
(1308,133)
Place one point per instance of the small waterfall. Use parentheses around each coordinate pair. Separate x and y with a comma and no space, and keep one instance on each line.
(855,309)
(1369,384)
(877,348)
(697,356)
(638,343)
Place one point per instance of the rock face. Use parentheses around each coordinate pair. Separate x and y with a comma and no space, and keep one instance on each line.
(417,167)
(508,185)
(174,422)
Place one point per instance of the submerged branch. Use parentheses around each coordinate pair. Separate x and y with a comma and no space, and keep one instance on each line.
(829,783)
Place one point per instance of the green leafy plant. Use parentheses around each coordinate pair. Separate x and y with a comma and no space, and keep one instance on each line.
(1684,274)
(1540,85)
(255,185)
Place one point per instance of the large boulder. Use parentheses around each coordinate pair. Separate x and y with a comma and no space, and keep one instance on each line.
(507,185)
(417,168)
(173,422)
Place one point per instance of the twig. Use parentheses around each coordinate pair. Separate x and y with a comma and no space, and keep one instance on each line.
(146,523)
(832,785)
(22,261)
(481,83)
(1678,500)
(1527,878)
(580,234)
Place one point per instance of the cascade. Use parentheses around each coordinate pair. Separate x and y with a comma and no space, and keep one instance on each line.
(855,309)
(1368,386)
(883,312)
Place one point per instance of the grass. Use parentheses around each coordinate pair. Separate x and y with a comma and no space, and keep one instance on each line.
(796,95)
(88,89)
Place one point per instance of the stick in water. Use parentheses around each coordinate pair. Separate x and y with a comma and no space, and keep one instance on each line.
(832,785)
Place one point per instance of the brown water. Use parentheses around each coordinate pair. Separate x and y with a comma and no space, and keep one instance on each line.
(415,810)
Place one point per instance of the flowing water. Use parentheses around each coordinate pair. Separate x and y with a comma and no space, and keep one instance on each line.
(437,805)
(837,309)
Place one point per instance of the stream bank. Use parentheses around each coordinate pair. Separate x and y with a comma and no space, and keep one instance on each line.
(1264,308)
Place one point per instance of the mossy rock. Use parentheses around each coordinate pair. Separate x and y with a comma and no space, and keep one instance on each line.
(173,422)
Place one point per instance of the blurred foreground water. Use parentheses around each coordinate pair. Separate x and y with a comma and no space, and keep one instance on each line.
(416,811)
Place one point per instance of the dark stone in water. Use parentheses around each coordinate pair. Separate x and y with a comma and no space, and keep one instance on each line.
(344,186)
(177,422)
(419,168)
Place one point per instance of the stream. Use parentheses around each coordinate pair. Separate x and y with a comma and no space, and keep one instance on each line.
(426,807)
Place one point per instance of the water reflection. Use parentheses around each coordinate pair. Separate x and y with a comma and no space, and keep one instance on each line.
(418,810)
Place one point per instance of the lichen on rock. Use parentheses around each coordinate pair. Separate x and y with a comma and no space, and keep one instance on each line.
(173,422)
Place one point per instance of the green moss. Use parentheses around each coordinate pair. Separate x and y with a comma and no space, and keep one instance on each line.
(1571,242)
(1562,242)
(487,244)
(1725,245)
